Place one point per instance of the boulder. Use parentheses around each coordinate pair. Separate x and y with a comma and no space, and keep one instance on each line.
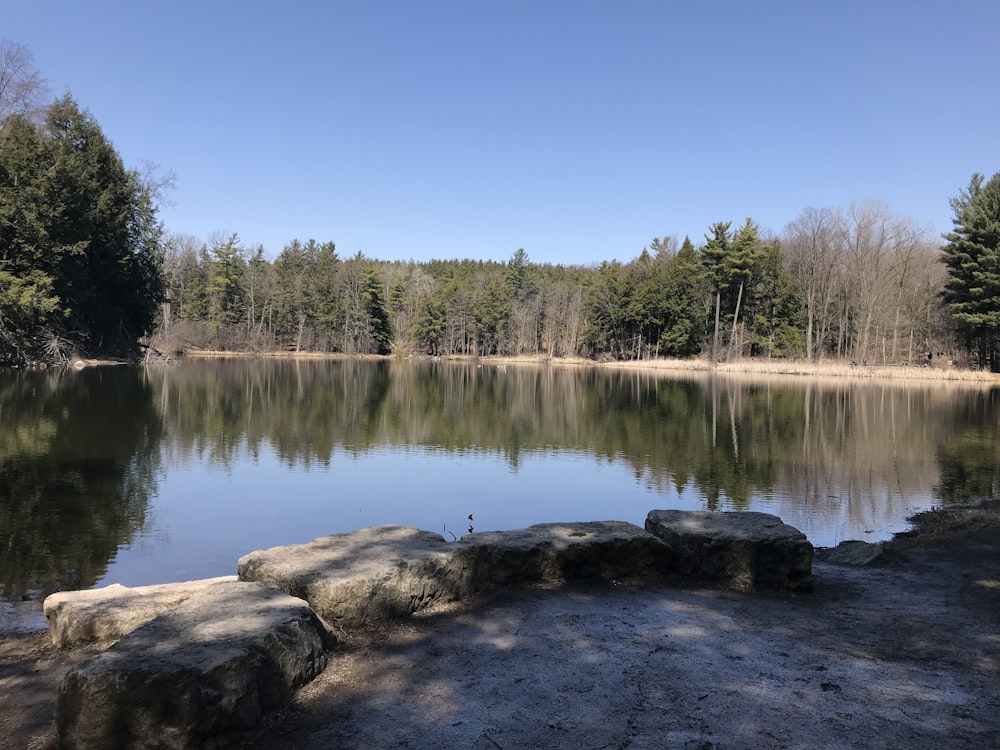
(558,552)
(852,552)
(106,614)
(389,572)
(740,550)
(199,675)
(377,573)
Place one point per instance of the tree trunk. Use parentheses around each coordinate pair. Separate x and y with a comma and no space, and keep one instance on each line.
(715,341)
(736,317)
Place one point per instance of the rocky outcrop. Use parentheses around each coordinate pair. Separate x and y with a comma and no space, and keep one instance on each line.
(388,572)
(559,552)
(106,614)
(740,550)
(198,675)
(378,573)
(213,657)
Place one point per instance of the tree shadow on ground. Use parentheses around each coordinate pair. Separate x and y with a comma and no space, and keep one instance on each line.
(903,655)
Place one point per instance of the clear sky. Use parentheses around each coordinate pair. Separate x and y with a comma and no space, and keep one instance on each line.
(577,130)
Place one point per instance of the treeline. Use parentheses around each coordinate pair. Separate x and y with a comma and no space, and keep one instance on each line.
(860,284)
(85,267)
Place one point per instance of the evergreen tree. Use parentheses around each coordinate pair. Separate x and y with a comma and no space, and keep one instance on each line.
(295,274)
(428,324)
(225,263)
(972,255)
(608,299)
(492,306)
(79,228)
(717,249)
(29,305)
(379,330)
(775,311)
(329,308)
(684,314)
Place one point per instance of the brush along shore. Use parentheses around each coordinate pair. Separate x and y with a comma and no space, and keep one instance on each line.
(748,367)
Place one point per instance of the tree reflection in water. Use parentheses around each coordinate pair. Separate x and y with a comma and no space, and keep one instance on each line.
(80,453)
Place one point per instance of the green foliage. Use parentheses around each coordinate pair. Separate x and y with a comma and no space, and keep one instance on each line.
(428,324)
(972,256)
(491,304)
(295,289)
(79,239)
(225,263)
(375,310)
(684,313)
(608,302)
(775,311)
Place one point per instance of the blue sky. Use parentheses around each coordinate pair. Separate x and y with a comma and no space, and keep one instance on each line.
(576,130)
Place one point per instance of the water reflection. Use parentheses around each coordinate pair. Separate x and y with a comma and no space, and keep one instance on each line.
(78,462)
(175,471)
(969,455)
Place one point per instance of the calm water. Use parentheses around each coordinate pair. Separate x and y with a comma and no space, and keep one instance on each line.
(137,476)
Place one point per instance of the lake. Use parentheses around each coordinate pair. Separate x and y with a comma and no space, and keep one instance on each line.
(172,472)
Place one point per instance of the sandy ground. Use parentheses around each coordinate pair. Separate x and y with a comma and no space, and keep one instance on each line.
(904,653)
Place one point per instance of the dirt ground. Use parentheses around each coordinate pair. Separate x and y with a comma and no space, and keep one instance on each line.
(904,652)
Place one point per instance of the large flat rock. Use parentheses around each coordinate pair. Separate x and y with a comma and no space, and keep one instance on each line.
(559,552)
(197,676)
(377,573)
(740,550)
(389,572)
(106,614)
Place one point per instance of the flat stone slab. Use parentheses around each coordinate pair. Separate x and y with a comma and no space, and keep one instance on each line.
(390,572)
(199,675)
(741,550)
(559,552)
(377,573)
(106,614)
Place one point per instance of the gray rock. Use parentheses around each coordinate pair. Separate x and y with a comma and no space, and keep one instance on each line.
(377,573)
(852,553)
(741,550)
(558,552)
(197,676)
(106,614)
(389,572)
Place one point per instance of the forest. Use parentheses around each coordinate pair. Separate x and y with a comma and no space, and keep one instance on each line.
(87,268)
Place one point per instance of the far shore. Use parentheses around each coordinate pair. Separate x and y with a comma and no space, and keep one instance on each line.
(743,367)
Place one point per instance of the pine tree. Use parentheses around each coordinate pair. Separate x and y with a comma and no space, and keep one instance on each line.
(684,316)
(77,228)
(972,255)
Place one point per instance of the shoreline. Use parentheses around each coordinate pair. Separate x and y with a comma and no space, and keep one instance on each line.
(744,367)
(823,655)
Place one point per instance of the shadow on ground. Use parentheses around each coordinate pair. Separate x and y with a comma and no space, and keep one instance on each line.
(903,654)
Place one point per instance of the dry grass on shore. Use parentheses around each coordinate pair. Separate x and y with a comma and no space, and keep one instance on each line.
(748,367)
(950,521)
(837,370)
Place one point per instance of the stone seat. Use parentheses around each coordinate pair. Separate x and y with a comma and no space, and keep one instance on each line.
(388,572)
(106,614)
(213,656)
(740,550)
(199,675)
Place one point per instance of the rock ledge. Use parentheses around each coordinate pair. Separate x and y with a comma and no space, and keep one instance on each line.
(198,675)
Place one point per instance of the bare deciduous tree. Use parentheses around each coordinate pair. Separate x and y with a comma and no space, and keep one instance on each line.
(809,247)
(23,91)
